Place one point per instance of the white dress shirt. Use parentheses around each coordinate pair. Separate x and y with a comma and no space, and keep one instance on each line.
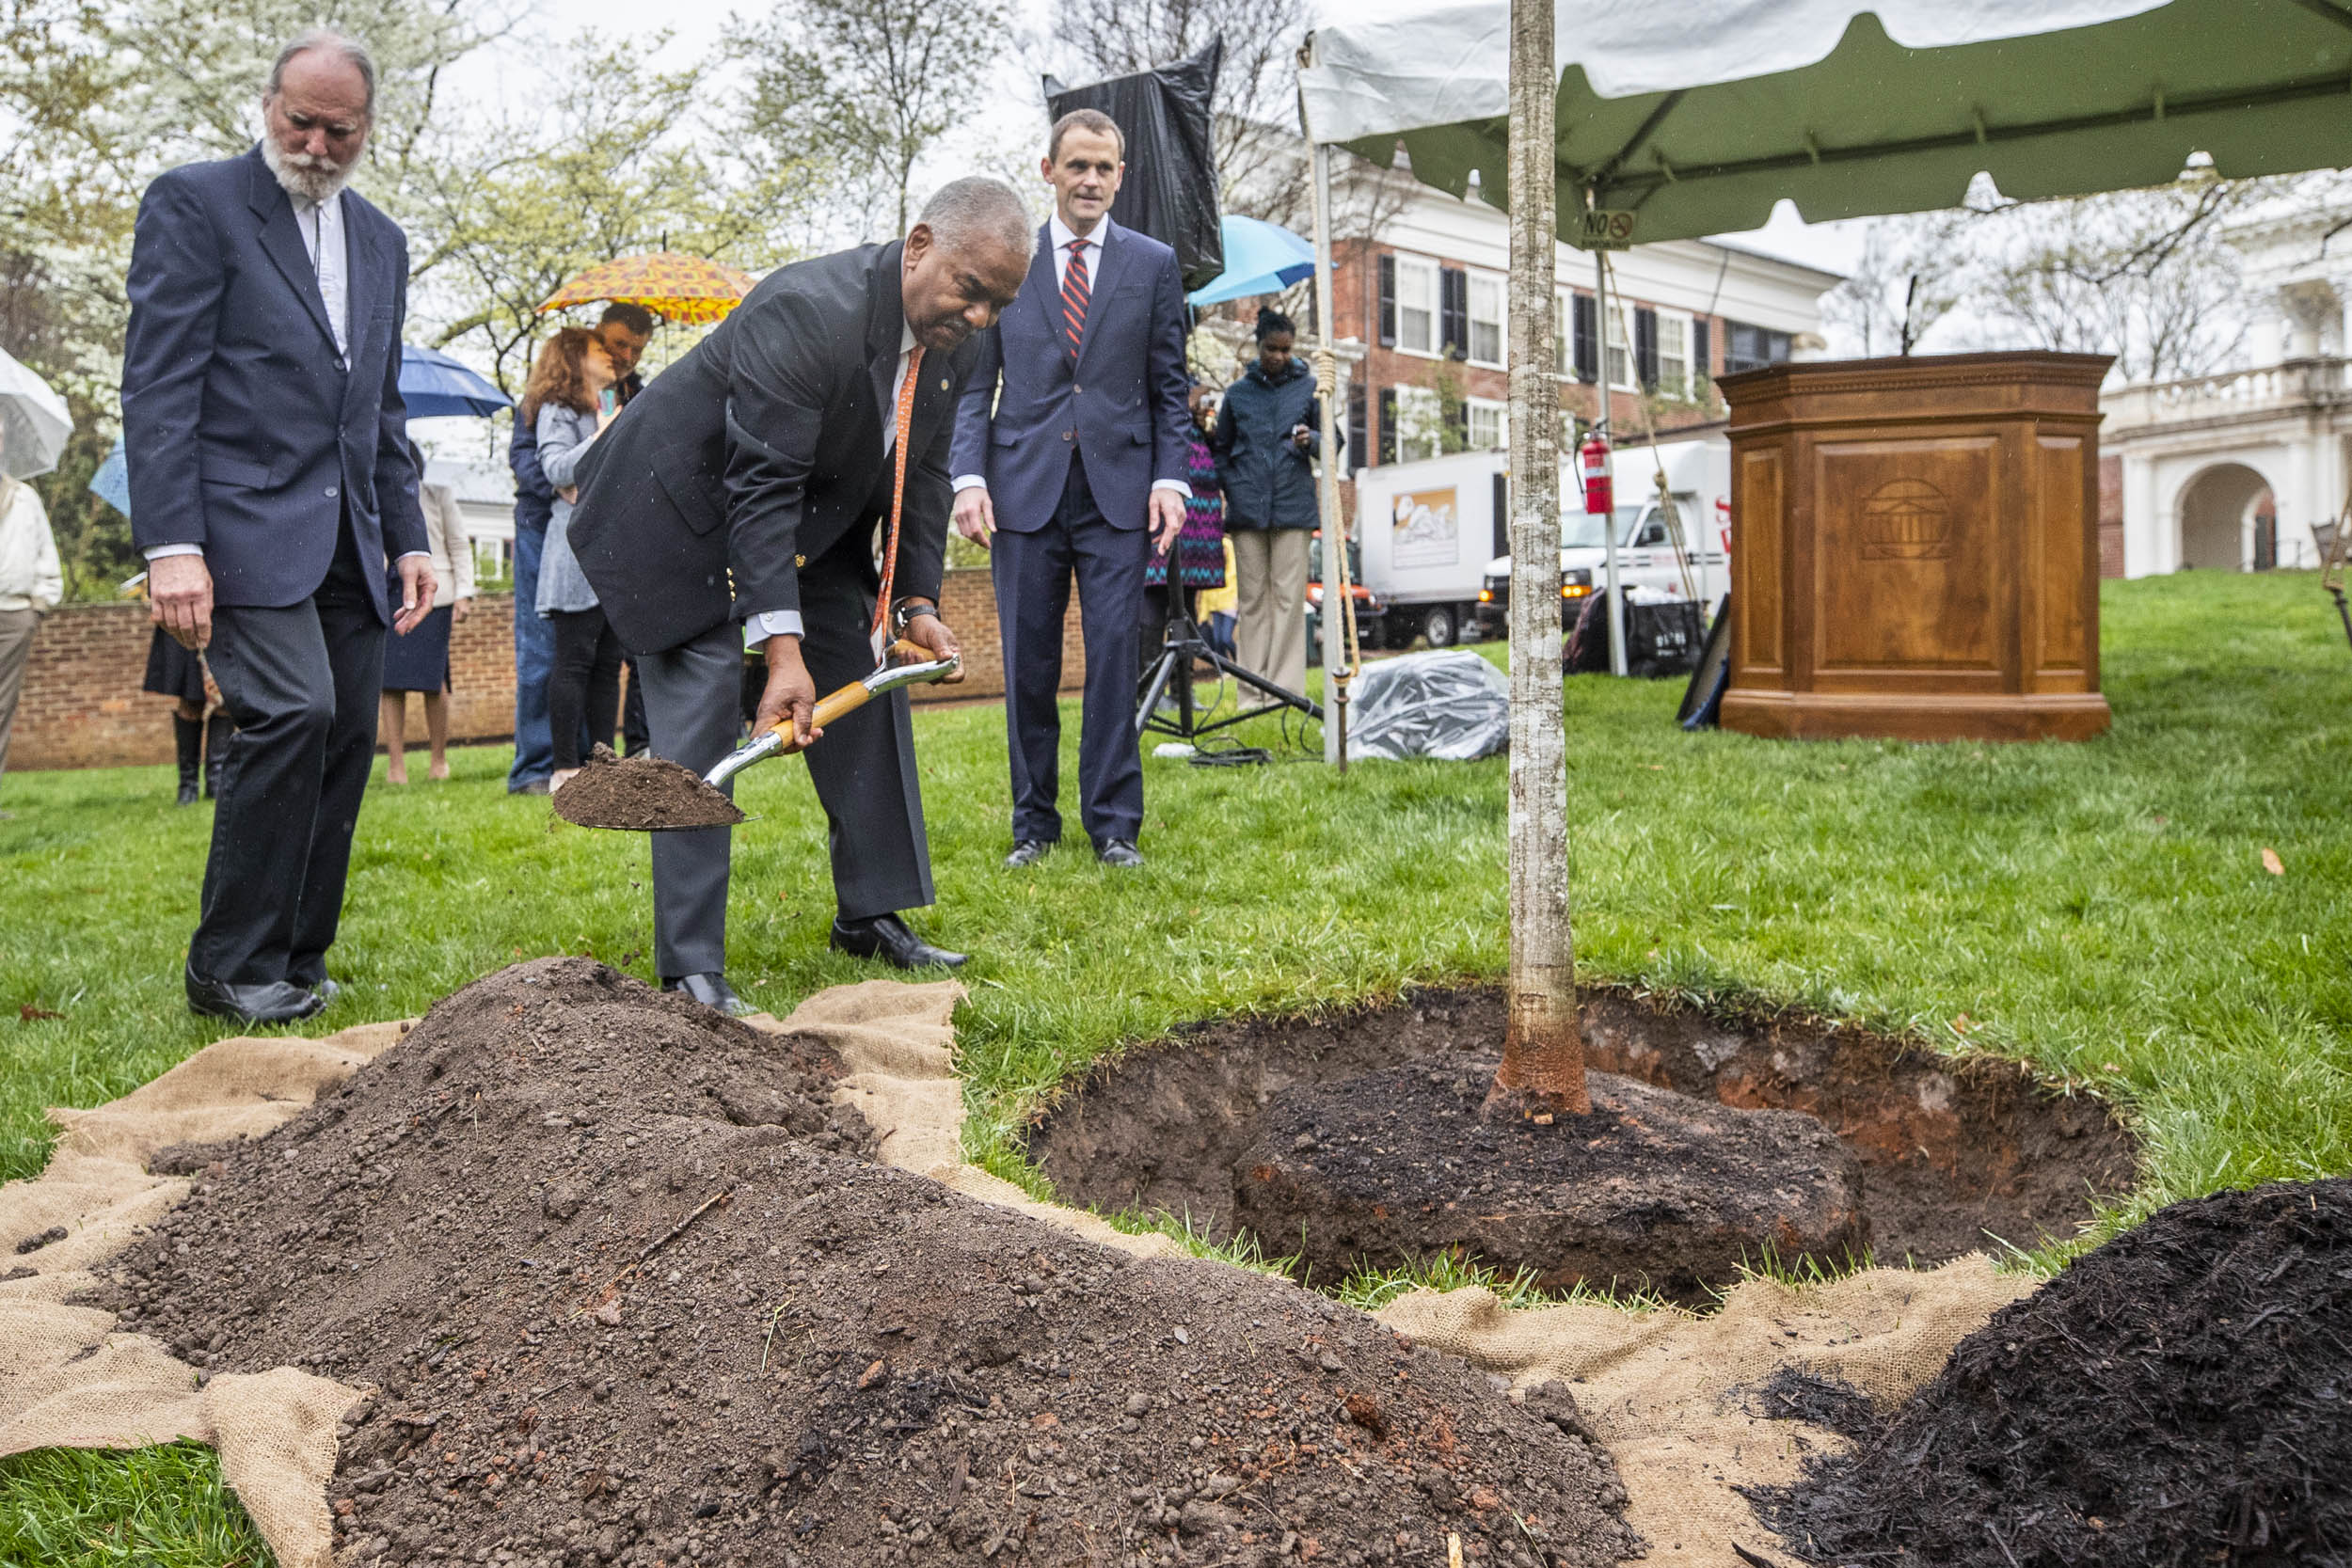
(787,623)
(321,227)
(1060,235)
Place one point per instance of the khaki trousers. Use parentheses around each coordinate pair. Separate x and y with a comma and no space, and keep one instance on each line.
(1271,637)
(16,648)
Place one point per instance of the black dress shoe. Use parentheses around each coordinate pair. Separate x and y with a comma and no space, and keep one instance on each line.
(886,937)
(1027,851)
(712,991)
(273,1002)
(324,988)
(1119,852)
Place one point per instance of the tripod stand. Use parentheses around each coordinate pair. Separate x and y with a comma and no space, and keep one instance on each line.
(1183,648)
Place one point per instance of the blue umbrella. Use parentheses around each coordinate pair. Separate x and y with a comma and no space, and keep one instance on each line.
(435,385)
(111,484)
(1260,259)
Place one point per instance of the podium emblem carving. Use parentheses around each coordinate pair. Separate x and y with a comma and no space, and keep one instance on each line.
(1906,520)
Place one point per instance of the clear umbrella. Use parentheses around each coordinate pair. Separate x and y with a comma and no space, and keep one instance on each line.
(33,421)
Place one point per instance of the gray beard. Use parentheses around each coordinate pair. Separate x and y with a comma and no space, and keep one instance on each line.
(310,183)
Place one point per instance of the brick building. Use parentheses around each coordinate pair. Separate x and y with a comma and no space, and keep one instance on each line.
(1426,300)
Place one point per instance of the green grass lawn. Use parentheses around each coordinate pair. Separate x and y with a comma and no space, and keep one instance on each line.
(2100,910)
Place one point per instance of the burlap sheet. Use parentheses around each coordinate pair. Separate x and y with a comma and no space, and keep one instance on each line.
(68,1381)
(1668,1393)
(1672,1394)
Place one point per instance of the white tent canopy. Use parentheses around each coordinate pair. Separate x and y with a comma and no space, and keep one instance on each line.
(1697,118)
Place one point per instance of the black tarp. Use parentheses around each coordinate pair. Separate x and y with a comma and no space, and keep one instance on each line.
(1170,189)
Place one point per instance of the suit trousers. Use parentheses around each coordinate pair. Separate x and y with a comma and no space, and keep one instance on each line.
(300,682)
(16,651)
(1033,573)
(1271,637)
(864,770)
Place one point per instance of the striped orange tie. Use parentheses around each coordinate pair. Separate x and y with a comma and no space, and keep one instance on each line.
(905,418)
(1076,290)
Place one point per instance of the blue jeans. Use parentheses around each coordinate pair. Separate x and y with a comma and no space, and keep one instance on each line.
(534,659)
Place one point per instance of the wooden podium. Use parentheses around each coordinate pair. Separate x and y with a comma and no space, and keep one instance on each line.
(1915,549)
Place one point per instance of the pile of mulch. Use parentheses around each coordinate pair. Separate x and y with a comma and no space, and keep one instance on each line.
(642,794)
(2181,1396)
(630,1293)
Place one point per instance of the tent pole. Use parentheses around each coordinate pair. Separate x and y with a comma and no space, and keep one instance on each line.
(1609,524)
(1337,583)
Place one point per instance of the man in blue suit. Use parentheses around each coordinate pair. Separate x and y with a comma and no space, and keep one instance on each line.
(270,479)
(1069,456)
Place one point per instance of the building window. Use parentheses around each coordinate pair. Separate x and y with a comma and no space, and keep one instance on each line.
(1489,425)
(1620,355)
(1417,305)
(1586,345)
(1420,423)
(1752,348)
(1486,311)
(1674,355)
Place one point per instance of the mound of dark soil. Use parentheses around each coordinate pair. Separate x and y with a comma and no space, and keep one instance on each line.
(2181,1396)
(1652,1188)
(642,794)
(631,1295)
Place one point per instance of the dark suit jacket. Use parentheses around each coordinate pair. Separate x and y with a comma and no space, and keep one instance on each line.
(761,451)
(243,431)
(1119,403)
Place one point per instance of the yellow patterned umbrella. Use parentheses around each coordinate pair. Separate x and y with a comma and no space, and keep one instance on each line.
(676,288)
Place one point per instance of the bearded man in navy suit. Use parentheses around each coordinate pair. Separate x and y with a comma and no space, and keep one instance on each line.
(270,480)
(1070,459)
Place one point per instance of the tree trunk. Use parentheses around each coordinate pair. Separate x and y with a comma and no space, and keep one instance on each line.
(1543,1044)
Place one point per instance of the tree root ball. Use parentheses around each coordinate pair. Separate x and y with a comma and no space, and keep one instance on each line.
(1653,1189)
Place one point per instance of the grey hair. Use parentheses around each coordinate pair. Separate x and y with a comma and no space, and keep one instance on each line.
(349,50)
(977,207)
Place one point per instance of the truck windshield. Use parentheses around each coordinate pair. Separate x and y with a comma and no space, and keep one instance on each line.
(1580,530)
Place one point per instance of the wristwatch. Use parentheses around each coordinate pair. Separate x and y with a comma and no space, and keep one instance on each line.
(906,610)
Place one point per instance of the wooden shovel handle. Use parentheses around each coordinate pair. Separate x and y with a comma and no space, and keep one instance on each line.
(852,696)
(831,707)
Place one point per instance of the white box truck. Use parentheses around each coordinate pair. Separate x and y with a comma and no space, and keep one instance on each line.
(1427,531)
(1435,546)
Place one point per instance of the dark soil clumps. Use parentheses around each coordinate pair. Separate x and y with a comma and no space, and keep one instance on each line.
(2181,1396)
(629,1294)
(642,794)
(1652,1189)
(1951,1149)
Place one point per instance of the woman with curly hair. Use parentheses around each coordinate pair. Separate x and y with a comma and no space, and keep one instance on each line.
(570,399)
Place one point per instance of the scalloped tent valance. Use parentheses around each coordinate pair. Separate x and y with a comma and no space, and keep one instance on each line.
(1697,119)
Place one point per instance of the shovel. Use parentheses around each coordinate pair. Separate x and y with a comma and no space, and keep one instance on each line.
(645,794)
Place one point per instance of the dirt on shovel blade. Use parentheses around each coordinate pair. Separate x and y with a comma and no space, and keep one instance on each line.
(642,794)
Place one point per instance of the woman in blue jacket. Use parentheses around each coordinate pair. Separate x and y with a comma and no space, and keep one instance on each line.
(1266,440)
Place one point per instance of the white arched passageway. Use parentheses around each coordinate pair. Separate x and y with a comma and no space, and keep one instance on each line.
(2215,512)
(2197,454)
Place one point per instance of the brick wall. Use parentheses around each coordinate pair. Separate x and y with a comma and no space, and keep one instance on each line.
(83,708)
(2110,516)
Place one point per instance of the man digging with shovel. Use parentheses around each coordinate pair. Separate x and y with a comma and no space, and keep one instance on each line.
(738,500)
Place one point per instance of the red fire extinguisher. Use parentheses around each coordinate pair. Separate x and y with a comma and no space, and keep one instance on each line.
(1593,458)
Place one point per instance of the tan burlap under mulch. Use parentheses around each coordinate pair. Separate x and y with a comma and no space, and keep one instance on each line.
(1666,1390)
